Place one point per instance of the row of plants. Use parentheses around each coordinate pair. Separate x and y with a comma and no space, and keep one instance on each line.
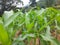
(30,28)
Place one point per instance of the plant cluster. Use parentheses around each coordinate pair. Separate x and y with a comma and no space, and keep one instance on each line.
(17,28)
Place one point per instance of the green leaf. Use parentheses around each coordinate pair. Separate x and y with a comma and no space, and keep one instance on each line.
(11,19)
(4,38)
(30,26)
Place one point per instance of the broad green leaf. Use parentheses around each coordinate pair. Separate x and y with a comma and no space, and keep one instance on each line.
(7,14)
(11,19)
(4,38)
(30,26)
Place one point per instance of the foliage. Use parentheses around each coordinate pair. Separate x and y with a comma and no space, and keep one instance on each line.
(4,36)
(33,24)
